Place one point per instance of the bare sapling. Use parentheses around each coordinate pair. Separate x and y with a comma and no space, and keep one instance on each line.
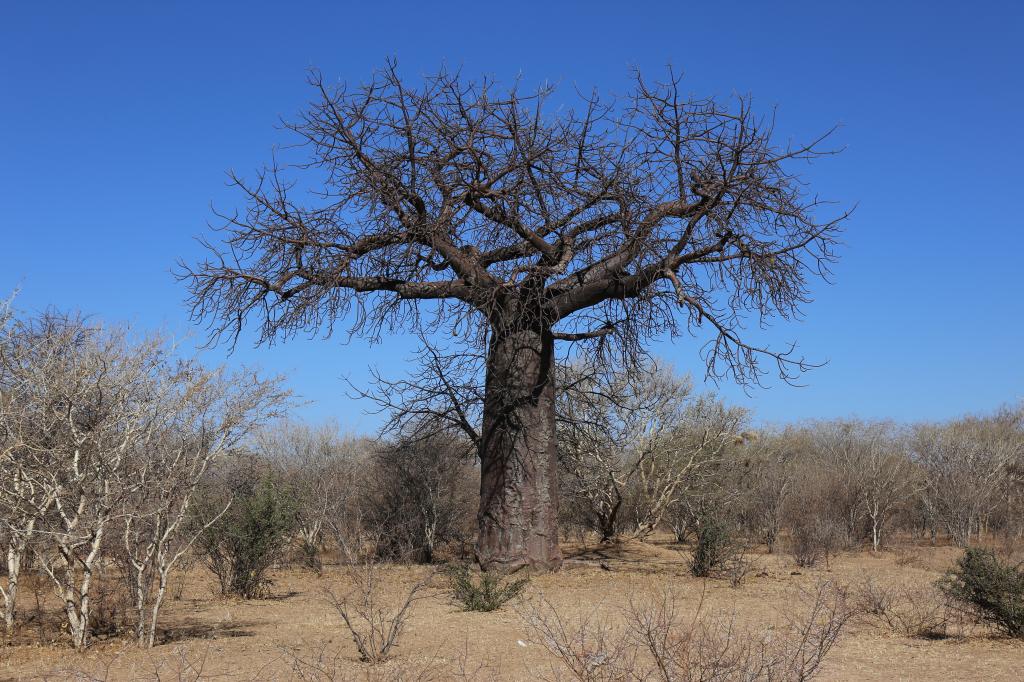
(205,414)
(375,623)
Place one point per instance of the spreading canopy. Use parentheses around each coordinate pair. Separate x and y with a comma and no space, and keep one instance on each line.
(608,222)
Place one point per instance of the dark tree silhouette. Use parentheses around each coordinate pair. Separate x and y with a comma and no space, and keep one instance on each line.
(515,224)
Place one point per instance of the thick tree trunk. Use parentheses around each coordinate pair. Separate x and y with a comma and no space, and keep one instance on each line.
(518,516)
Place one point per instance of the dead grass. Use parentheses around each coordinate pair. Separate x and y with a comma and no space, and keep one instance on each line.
(273,638)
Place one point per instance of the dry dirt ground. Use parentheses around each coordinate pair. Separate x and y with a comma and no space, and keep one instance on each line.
(259,640)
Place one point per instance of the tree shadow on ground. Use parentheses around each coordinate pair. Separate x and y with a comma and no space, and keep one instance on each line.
(628,555)
(193,629)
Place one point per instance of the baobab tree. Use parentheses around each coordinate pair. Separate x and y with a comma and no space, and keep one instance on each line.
(514,222)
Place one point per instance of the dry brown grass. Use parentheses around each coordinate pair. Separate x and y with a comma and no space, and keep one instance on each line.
(297,633)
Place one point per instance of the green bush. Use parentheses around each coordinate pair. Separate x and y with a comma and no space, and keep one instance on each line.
(489,593)
(714,548)
(242,543)
(992,589)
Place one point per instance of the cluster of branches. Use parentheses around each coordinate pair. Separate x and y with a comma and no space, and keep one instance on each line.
(845,483)
(114,450)
(660,640)
(608,223)
(638,449)
(104,439)
(632,443)
(309,493)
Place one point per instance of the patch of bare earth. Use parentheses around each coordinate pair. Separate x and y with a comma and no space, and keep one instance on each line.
(267,639)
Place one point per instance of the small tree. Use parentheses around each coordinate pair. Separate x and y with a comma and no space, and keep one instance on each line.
(418,498)
(318,465)
(816,537)
(697,450)
(91,397)
(889,482)
(22,505)
(111,433)
(245,523)
(966,466)
(875,472)
(608,426)
(631,441)
(772,480)
(205,414)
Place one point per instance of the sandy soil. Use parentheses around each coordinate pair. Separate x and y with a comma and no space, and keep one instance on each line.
(258,640)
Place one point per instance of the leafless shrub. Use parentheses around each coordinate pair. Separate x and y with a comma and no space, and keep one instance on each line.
(815,539)
(658,642)
(715,648)
(182,665)
(906,610)
(906,558)
(329,664)
(587,647)
(817,631)
(739,567)
(419,498)
(462,668)
(95,668)
(323,664)
(702,649)
(375,625)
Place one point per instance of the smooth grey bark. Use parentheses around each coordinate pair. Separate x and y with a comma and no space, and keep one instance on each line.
(15,554)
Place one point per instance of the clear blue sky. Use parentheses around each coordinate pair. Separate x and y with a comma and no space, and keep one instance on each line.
(118,120)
